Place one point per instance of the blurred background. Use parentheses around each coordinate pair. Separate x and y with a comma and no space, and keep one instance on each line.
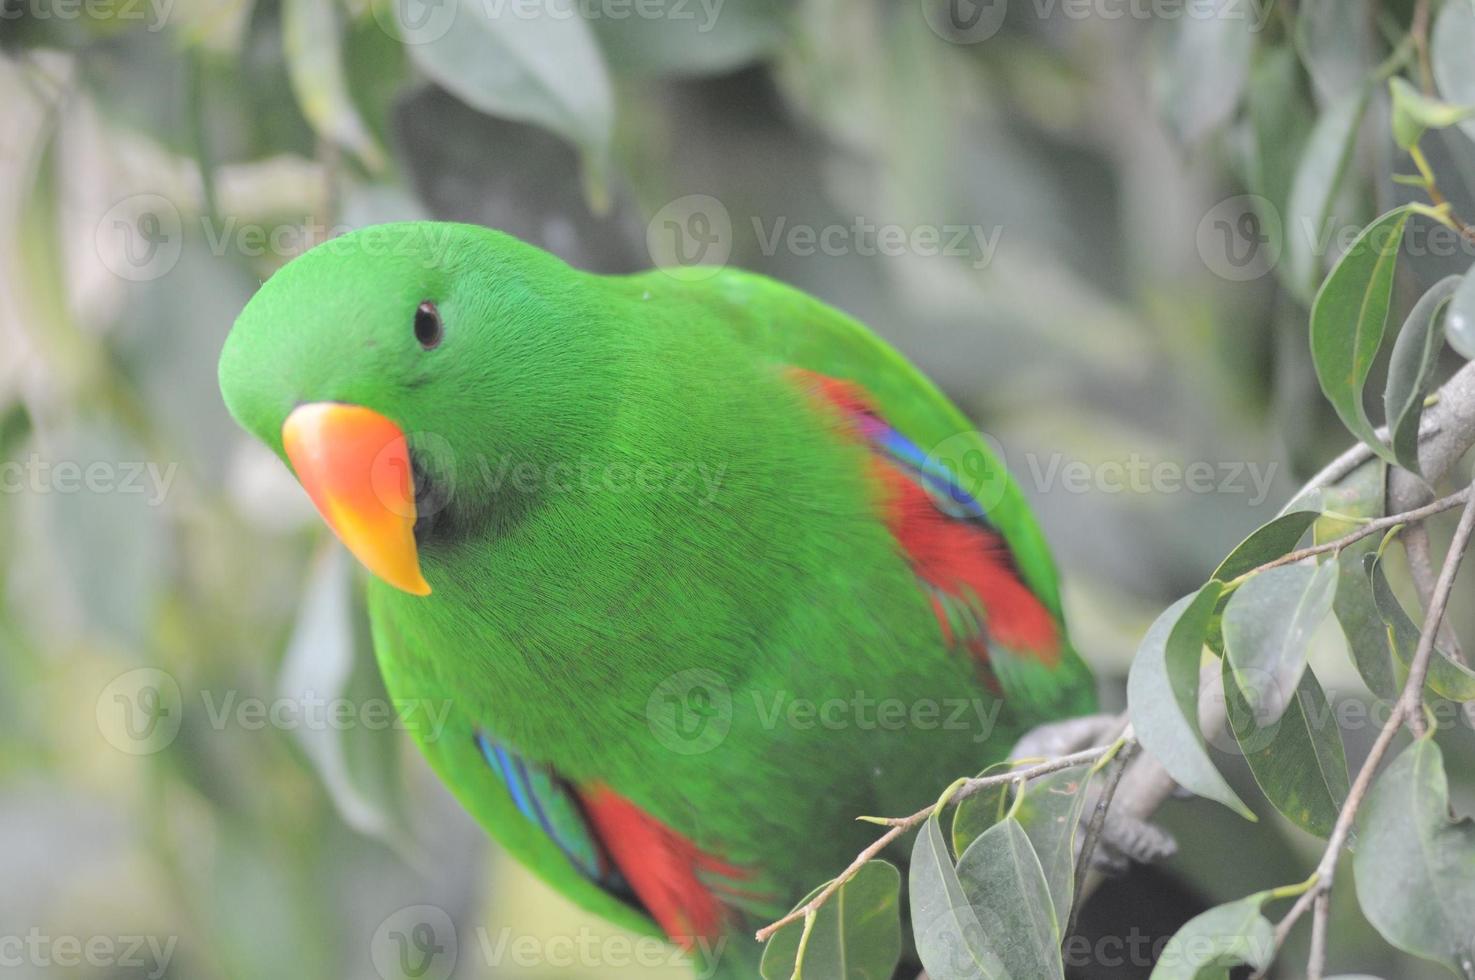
(1042,202)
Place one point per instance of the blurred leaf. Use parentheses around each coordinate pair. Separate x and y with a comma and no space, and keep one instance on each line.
(1348,320)
(1281,119)
(540,66)
(1050,812)
(1414,112)
(1447,678)
(1267,630)
(951,942)
(982,810)
(330,661)
(1415,866)
(1449,51)
(1162,696)
(1002,878)
(105,526)
(1323,165)
(1204,76)
(1298,761)
(1212,942)
(1415,355)
(1337,42)
(856,934)
(1459,320)
(527,183)
(1268,542)
(313,43)
(687,38)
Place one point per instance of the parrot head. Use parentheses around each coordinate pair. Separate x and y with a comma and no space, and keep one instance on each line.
(388,367)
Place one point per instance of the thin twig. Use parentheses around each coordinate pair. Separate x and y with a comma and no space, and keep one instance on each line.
(1371,527)
(896,826)
(1417,547)
(1094,829)
(1409,704)
(1316,963)
(1413,692)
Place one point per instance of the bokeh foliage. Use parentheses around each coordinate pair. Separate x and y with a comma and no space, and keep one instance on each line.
(1097,331)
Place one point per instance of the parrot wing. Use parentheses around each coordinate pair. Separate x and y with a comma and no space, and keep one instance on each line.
(952,505)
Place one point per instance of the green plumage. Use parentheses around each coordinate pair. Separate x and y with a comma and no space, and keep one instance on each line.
(648,524)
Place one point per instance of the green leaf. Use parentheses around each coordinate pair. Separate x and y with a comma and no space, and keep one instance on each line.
(1298,761)
(1267,543)
(329,657)
(312,39)
(1415,354)
(1360,495)
(1337,41)
(1204,76)
(950,939)
(1459,319)
(1002,878)
(538,65)
(1267,629)
(1162,697)
(1415,866)
(1449,51)
(1212,942)
(1281,120)
(674,37)
(1318,176)
(856,934)
(1348,319)
(1050,812)
(982,810)
(1447,678)
(1414,112)
(1363,626)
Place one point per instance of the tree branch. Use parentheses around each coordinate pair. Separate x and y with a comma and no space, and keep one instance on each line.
(900,825)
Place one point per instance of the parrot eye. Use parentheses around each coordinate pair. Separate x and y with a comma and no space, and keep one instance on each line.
(428,329)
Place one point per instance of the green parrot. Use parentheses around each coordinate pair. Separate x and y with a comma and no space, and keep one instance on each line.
(703,568)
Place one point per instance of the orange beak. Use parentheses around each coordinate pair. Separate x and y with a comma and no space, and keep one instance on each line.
(355,465)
